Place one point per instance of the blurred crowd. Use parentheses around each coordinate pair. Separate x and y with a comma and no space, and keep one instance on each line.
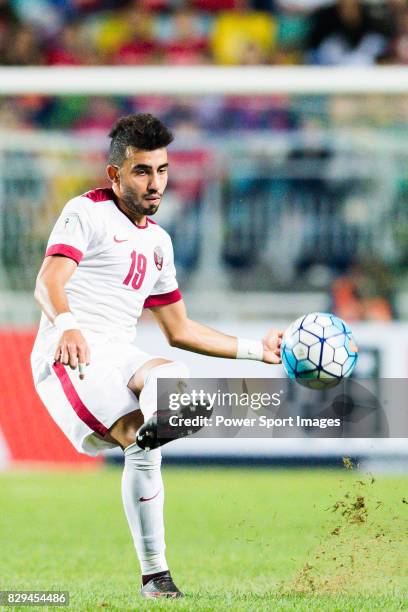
(223,32)
(231,32)
(196,32)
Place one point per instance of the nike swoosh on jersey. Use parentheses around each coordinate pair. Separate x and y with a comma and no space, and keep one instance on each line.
(119,240)
(143,499)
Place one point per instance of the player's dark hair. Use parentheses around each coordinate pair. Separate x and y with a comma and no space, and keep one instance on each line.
(142,131)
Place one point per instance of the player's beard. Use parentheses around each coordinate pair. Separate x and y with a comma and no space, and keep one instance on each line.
(139,206)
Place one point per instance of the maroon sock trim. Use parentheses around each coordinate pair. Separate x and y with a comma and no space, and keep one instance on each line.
(147,577)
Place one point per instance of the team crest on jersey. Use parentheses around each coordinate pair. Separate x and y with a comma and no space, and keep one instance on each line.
(70,222)
(158,257)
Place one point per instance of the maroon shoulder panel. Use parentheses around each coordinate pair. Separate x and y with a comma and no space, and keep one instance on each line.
(100,195)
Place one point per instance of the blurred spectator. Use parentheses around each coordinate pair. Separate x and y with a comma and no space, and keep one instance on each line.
(188,181)
(47,16)
(141,47)
(216,5)
(89,6)
(62,112)
(399,46)
(345,34)
(364,293)
(7,12)
(257,112)
(71,47)
(253,54)
(186,45)
(4,38)
(23,48)
(109,32)
(293,31)
(157,105)
(183,118)
(99,117)
(305,6)
(235,33)
(13,115)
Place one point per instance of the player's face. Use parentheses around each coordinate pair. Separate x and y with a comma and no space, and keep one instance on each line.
(141,180)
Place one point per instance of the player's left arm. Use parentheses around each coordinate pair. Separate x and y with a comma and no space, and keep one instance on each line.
(184,333)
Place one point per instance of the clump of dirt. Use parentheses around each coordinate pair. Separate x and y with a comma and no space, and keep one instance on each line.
(348,463)
(353,510)
(305,581)
(311,579)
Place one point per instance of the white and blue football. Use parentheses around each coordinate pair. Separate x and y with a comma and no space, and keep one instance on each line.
(318,350)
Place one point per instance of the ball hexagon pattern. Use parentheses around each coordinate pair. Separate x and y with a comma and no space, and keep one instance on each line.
(318,350)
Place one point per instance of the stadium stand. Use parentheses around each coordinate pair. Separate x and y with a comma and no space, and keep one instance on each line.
(230,32)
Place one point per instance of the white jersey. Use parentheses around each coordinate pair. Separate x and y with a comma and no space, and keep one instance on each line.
(122,267)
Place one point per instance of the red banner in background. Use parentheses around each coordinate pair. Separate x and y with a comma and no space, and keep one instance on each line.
(29,432)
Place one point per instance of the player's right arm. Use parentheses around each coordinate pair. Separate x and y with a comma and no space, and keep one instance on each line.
(67,244)
(72,348)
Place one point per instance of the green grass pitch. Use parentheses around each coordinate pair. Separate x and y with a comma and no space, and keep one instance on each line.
(237,539)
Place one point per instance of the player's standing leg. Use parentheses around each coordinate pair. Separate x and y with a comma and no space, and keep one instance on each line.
(142,484)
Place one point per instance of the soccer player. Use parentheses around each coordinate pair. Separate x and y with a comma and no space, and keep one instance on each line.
(105,261)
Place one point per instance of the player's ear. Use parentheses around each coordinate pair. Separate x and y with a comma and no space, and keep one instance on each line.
(113,173)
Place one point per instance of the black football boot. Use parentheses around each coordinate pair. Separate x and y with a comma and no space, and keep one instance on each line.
(157,430)
(160,586)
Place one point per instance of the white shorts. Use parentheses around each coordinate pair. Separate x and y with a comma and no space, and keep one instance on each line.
(82,407)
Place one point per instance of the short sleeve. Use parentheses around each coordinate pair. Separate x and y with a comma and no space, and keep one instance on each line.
(166,290)
(72,232)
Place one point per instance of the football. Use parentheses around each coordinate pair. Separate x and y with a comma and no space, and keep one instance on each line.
(318,350)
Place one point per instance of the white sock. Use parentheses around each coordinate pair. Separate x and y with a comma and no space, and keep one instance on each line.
(143,498)
(148,395)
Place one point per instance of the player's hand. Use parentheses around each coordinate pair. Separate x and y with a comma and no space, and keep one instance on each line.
(271,345)
(73,350)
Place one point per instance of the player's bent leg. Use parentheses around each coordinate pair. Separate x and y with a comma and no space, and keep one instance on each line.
(148,436)
(143,383)
(125,429)
(138,380)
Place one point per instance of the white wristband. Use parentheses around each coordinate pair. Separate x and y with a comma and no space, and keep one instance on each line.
(65,320)
(250,349)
